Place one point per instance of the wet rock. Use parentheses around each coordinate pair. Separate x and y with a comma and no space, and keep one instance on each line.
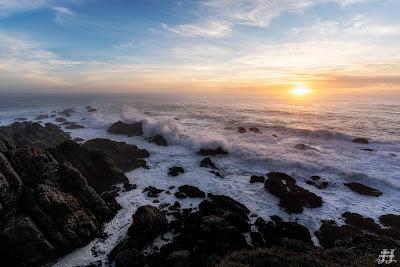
(257,239)
(121,128)
(273,231)
(74,126)
(229,203)
(257,179)
(368,149)
(42,117)
(330,233)
(363,189)
(158,140)
(390,220)
(59,119)
(358,221)
(175,207)
(127,157)
(317,182)
(207,163)
(67,112)
(361,141)
(212,152)
(100,171)
(90,109)
(175,171)
(254,130)
(274,135)
(293,198)
(152,191)
(241,130)
(29,133)
(48,208)
(79,140)
(303,147)
(191,191)
(129,187)
(180,195)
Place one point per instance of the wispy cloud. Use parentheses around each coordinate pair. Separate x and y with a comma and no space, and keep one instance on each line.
(213,28)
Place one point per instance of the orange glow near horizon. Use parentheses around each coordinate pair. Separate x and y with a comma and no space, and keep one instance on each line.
(300,90)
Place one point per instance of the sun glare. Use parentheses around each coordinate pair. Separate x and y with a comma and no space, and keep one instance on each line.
(300,90)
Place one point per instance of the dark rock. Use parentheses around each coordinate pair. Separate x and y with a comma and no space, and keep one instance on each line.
(241,130)
(191,191)
(129,187)
(303,147)
(317,182)
(274,135)
(79,140)
(158,140)
(127,157)
(330,233)
(48,208)
(180,195)
(74,126)
(67,112)
(229,203)
(42,117)
(175,207)
(361,141)
(91,109)
(152,191)
(254,130)
(363,189)
(59,119)
(207,163)
(212,152)
(257,239)
(368,149)
(292,197)
(20,119)
(121,128)
(29,133)
(99,170)
(257,179)
(175,171)
(358,221)
(390,220)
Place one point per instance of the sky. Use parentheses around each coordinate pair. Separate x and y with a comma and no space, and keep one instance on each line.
(229,46)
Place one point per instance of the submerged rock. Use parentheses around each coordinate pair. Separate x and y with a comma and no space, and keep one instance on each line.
(257,179)
(121,128)
(317,182)
(100,171)
(74,126)
(293,198)
(67,112)
(212,152)
(127,157)
(175,171)
(241,130)
(207,163)
(363,189)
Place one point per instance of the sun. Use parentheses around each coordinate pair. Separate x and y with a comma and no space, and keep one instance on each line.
(300,90)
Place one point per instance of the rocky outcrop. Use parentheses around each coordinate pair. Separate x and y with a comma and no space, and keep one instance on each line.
(318,182)
(99,170)
(29,133)
(208,163)
(293,198)
(47,208)
(212,152)
(158,140)
(363,189)
(175,171)
(122,128)
(361,141)
(191,191)
(127,157)
(257,179)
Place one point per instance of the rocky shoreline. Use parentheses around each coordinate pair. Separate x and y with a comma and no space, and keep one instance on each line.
(57,194)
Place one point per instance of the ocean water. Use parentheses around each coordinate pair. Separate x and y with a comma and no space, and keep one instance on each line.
(326,126)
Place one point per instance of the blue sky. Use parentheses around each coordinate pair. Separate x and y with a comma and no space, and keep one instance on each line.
(206,45)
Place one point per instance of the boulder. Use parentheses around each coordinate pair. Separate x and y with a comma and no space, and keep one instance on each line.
(191,191)
(207,163)
(330,233)
(158,140)
(121,128)
(241,130)
(363,189)
(100,171)
(254,130)
(175,171)
(152,191)
(293,198)
(127,157)
(212,152)
(318,182)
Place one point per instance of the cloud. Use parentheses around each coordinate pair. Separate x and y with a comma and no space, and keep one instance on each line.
(207,29)
(8,7)
(127,45)
(222,15)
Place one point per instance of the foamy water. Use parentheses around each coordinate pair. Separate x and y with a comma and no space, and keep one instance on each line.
(189,124)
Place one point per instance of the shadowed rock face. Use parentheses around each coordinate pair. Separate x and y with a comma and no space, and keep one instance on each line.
(47,208)
(121,128)
(99,170)
(126,157)
(363,189)
(293,198)
(29,133)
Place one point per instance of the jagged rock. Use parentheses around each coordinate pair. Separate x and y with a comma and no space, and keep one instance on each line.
(363,189)
(158,140)
(257,179)
(191,191)
(212,152)
(361,141)
(135,129)
(48,208)
(67,112)
(152,191)
(175,171)
(207,163)
(317,182)
(29,133)
(99,170)
(293,198)
(127,157)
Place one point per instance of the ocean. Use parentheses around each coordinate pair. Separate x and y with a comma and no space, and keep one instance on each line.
(300,138)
